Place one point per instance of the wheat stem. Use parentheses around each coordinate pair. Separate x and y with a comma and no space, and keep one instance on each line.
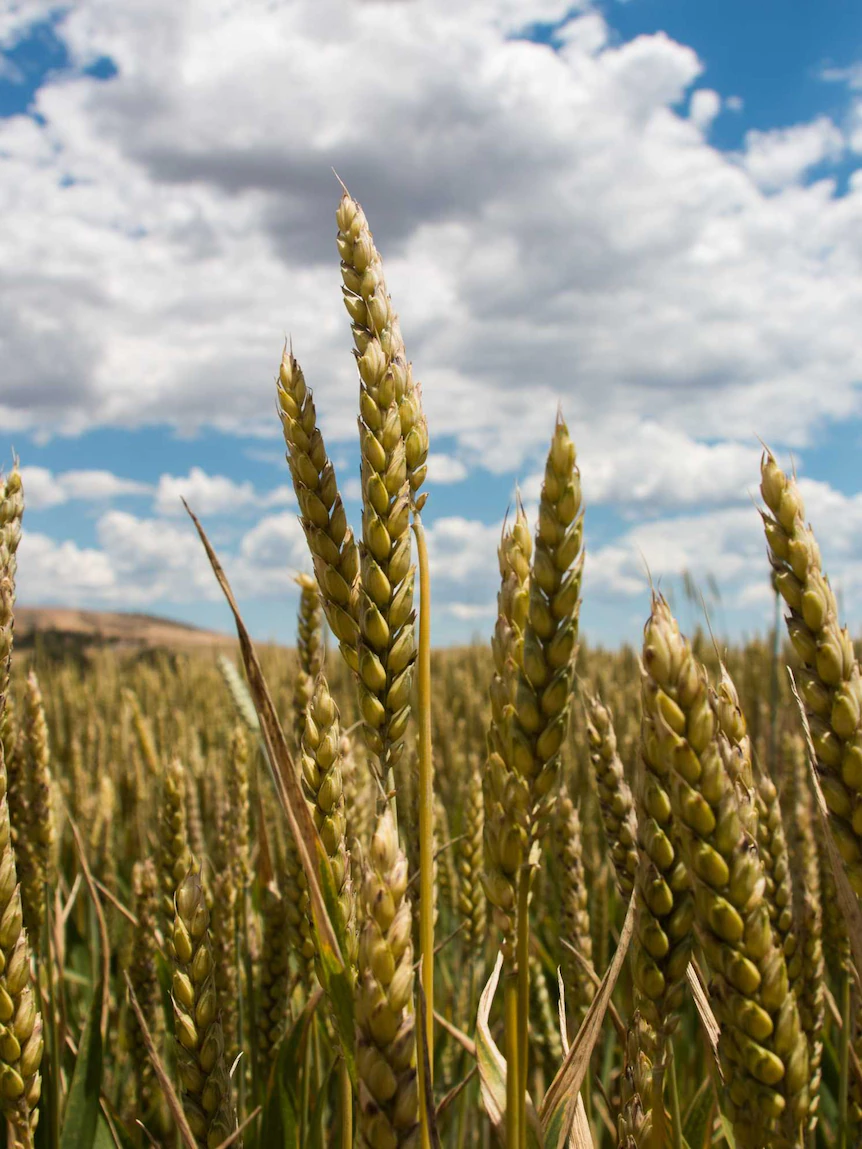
(844,1059)
(523,960)
(345,1092)
(426,812)
(513,1077)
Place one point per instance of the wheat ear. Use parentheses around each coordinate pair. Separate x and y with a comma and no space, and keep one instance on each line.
(206,1092)
(330,539)
(506,796)
(323,785)
(145,982)
(385,1026)
(829,680)
(635,1127)
(391,424)
(615,797)
(377,337)
(706,757)
(309,650)
(21,1043)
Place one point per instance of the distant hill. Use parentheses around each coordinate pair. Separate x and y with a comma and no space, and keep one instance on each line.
(59,627)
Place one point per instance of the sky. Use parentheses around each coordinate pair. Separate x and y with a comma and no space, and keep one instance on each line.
(646,213)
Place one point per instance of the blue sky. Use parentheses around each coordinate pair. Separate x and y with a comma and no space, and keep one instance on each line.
(645,212)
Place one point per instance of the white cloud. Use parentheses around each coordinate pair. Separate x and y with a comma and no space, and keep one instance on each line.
(648,468)
(553,228)
(851,76)
(445,469)
(704,106)
(139,561)
(17,16)
(588,33)
(854,128)
(10,72)
(728,545)
(43,488)
(657,468)
(271,553)
(778,158)
(62,572)
(471,612)
(462,551)
(352,489)
(152,559)
(213,494)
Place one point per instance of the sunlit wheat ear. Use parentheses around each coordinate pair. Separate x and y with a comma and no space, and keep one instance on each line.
(224,922)
(274,974)
(472,901)
(330,539)
(321,767)
(145,982)
(32,813)
(309,651)
(200,1050)
(238,810)
(808,910)
(539,717)
(635,1121)
(699,740)
(778,890)
(615,796)
(829,680)
(574,914)
(385,1028)
(665,910)
(21,1046)
(174,851)
(506,795)
(377,335)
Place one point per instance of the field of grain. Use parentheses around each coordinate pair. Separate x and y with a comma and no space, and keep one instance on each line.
(366,893)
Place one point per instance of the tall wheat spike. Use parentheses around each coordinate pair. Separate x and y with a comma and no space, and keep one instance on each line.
(615,796)
(207,1099)
(333,548)
(701,741)
(309,649)
(829,681)
(505,794)
(385,1028)
(21,1043)
(393,445)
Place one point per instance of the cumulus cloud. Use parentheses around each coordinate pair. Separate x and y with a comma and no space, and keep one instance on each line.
(50,572)
(213,494)
(704,106)
(139,561)
(462,551)
(727,545)
(851,75)
(554,228)
(445,469)
(648,468)
(472,612)
(782,156)
(43,488)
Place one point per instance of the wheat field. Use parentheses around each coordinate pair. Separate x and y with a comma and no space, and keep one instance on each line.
(522,893)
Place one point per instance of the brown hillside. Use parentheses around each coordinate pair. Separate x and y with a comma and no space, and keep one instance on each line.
(111,628)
